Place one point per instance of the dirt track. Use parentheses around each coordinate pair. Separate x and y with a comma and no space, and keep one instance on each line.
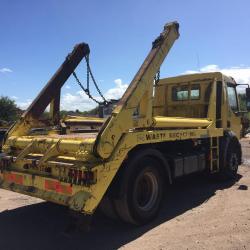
(198,214)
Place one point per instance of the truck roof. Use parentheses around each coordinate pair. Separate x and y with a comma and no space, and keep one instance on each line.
(197,76)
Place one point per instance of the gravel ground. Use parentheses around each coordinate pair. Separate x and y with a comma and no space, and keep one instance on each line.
(198,214)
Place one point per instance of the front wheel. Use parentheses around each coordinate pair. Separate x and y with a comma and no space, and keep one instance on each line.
(143,191)
(232,162)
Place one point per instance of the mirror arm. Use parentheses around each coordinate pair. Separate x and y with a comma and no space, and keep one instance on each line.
(245,84)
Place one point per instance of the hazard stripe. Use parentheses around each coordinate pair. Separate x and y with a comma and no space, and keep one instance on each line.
(57,187)
(13,178)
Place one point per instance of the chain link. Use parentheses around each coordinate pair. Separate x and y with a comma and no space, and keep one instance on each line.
(157,77)
(89,72)
(87,90)
(87,58)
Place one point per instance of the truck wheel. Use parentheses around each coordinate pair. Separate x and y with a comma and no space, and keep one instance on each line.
(232,163)
(142,192)
(106,207)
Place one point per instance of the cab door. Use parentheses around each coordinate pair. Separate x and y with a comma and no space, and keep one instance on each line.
(234,118)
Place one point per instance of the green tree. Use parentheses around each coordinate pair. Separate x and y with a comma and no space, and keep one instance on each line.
(93,111)
(242,101)
(8,109)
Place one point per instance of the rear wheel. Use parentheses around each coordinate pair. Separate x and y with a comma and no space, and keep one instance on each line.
(107,208)
(142,192)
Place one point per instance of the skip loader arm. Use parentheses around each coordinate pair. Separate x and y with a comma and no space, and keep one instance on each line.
(138,96)
(50,94)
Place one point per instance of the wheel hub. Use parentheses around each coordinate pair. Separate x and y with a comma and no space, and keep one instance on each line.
(146,191)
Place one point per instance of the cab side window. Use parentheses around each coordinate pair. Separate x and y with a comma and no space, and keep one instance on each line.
(195,92)
(186,92)
(180,93)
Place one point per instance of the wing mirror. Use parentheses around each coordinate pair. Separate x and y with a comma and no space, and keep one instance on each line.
(248,99)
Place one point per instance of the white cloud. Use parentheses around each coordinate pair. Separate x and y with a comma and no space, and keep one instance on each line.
(117,92)
(81,101)
(67,87)
(24,105)
(240,74)
(14,97)
(5,70)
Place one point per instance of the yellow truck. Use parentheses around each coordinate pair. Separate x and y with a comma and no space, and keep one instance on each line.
(160,130)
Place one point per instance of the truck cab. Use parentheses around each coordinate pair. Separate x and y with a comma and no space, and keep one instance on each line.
(189,96)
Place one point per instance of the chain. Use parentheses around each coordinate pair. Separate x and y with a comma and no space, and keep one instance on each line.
(157,77)
(89,72)
(87,58)
(86,90)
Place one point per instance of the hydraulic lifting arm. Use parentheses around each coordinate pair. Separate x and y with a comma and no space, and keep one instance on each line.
(135,107)
(50,94)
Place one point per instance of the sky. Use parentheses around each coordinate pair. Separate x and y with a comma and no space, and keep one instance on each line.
(36,36)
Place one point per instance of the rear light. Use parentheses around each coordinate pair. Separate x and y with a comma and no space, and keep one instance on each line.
(80,177)
(5,162)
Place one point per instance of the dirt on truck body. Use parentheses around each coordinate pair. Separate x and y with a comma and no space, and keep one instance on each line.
(160,130)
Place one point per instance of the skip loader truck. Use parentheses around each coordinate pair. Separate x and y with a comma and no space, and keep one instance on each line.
(160,130)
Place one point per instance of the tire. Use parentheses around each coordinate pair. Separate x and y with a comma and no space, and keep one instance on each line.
(142,191)
(232,163)
(107,208)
